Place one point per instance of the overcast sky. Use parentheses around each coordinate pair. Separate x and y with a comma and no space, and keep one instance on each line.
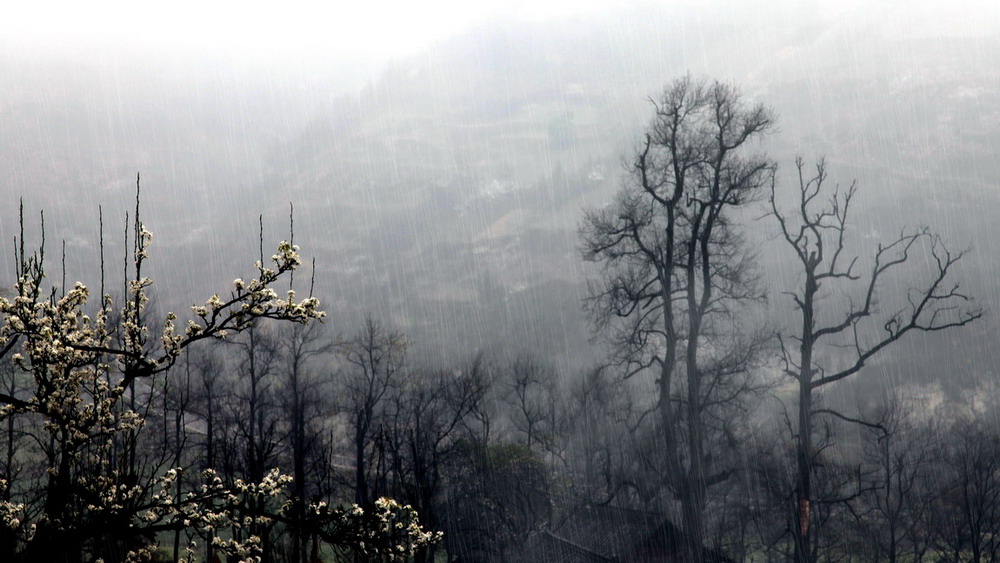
(259,29)
(376,30)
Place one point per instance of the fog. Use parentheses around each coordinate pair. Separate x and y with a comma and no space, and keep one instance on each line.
(440,156)
(364,115)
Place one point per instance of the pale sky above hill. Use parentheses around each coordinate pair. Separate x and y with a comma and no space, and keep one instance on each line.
(377,30)
(358,37)
(266,28)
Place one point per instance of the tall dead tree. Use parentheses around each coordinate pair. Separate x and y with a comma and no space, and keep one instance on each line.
(676,276)
(817,229)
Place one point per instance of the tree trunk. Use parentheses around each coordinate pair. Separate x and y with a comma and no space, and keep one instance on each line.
(803,507)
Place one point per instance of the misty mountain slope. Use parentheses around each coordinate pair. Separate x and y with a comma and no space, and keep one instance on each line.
(912,121)
(445,194)
(457,179)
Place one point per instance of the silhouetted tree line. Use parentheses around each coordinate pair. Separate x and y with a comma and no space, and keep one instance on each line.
(705,436)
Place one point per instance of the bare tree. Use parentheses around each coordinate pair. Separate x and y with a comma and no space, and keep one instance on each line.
(207,398)
(532,402)
(374,359)
(303,411)
(600,457)
(966,518)
(430,414)
(676,275)
(255,404)
(893,513)
(816,230)
(177,398)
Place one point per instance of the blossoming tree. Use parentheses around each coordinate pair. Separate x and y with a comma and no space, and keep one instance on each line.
(78,368)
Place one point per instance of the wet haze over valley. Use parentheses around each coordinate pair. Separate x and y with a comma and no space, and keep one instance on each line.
(439,162)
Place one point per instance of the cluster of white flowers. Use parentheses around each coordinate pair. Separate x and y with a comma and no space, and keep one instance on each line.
(246,551)
(389,529)
(81,368)
(402,521)
(142,244)
(189,555)
(142,554)
(274,482)
(247,302)
(10,512)
(213,507)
